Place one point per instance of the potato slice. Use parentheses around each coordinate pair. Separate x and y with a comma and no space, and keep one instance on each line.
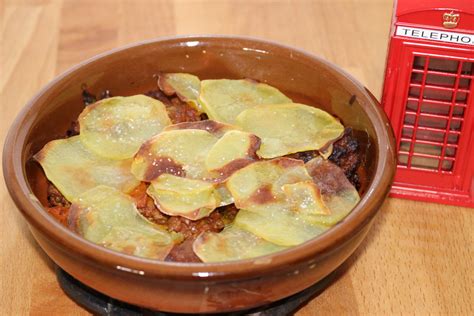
(215,128)
(260,183)
(116,127)
(185,86)
(224,99)
(234,150)
(289,128)
(276,197)
(277,225)
(337,193)
(109,218)
(74,169)
(178,152)
(232,243)
(177,196)
(304,197)
(184,150)
(231,152)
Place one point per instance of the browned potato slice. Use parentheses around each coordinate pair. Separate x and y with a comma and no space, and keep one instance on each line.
(178,152)
(232,243)
(278,201)
(109,218)
(205,150)
(260,183)
(337,193)
(289,128)
(215,128)
(232,151)
(116,127)
(74,169)
(185,86)
(224,99)
(177,196)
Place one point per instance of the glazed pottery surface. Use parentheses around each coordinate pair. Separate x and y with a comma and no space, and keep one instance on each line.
(191,287)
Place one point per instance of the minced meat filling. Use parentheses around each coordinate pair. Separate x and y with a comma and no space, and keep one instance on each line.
(178,110)
(346,155)
(55,198)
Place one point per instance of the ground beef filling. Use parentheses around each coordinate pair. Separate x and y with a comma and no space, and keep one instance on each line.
(178,111)
(188,228)
(346,154)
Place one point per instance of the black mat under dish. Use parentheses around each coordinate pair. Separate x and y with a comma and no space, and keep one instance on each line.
(100,304)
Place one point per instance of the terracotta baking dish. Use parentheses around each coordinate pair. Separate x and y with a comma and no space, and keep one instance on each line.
(179,287)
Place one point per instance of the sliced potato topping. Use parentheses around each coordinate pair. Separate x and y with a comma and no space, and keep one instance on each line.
(178,152)
(187,153)
(195,167)
(223,100)
(205,150)
(109,218)
(116,127)
(74,169)
(233,147)
(215,128)
(337,193)
(169,182)
(260,183)
(289,128)
(286,208)
(232,243)
(280,203)
(305,197)
(189,198)
(185,86)
(278,225)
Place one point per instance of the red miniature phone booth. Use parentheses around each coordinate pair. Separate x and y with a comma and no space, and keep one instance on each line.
(428,96)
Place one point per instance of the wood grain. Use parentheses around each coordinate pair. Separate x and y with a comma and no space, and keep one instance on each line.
(417,258)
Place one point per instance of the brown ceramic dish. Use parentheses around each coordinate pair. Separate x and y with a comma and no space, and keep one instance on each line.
(187,287)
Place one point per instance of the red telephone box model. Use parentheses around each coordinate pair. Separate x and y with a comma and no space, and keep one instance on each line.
(429,97)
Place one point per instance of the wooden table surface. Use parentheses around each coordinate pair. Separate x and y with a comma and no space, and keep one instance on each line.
(418,257)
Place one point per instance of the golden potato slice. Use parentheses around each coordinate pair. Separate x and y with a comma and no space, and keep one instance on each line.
(116,127)
(337,193)
(215,128)
(260,183)
(74,169)
(232,151)
(276,198)
(185,86)
(184,150)
(277,225)
(169,182)
(177,196)
(178,152)
(289,128)
(232,243)
(304,197)
(109,218)
(224,99)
